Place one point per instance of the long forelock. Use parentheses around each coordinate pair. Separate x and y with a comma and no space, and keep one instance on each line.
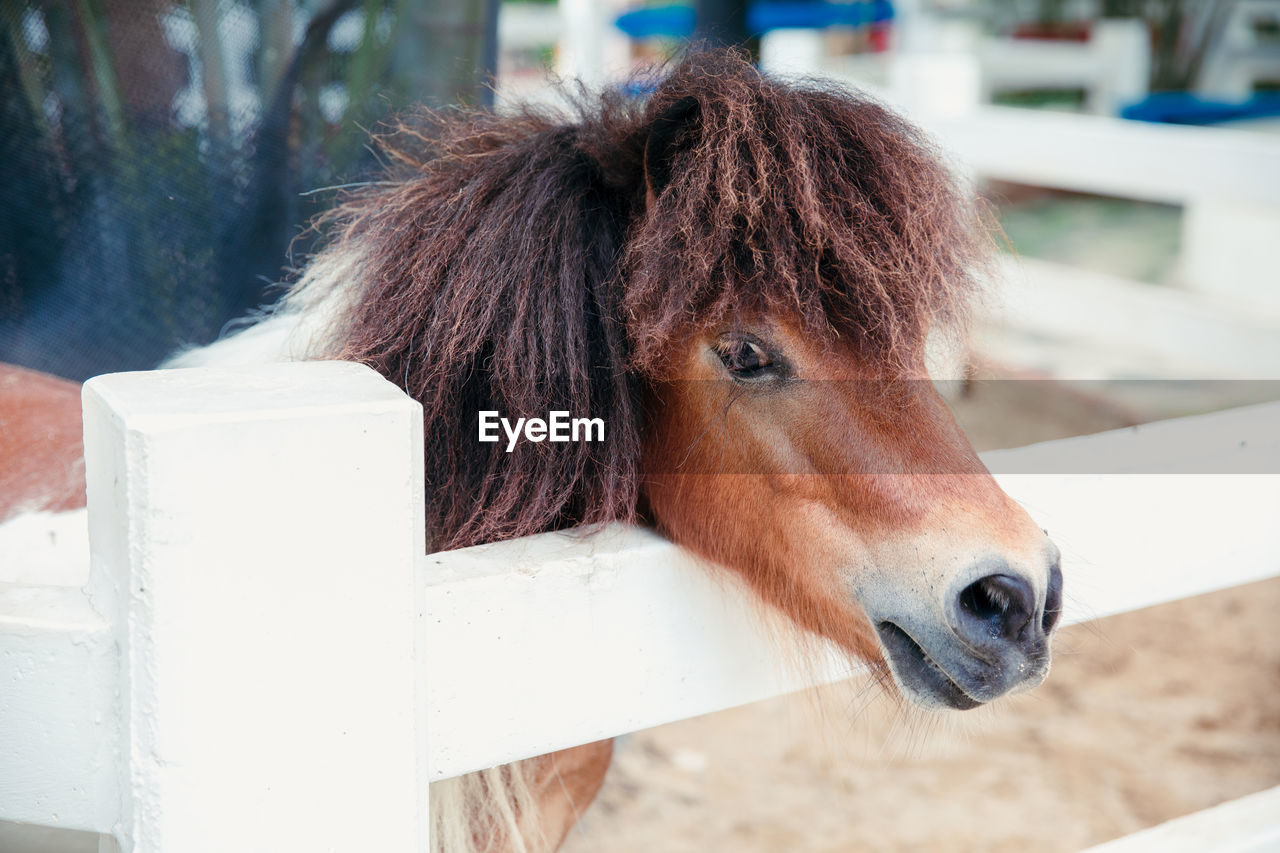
(808,201)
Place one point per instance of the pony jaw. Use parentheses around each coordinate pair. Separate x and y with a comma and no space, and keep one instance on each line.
(917,675)
(959,685)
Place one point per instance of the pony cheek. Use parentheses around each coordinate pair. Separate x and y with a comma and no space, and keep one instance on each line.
(788,549)
(812,571)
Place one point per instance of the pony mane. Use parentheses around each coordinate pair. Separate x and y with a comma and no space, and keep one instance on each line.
(511,263)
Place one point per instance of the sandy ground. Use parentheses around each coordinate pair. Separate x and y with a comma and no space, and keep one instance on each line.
(1145,717)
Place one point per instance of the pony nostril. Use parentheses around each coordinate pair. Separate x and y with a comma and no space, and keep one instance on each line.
(997,606)
(1053,599)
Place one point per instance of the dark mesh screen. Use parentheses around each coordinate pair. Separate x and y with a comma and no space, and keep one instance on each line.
(158,160)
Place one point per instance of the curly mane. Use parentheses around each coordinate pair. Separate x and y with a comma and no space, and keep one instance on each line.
(531,263)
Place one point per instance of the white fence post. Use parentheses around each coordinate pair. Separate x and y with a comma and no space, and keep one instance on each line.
(268,626)
(1228,249)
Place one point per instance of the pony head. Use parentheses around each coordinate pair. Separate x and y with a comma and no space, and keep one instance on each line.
(738,275)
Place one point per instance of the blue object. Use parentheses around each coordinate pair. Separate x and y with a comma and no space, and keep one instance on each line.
(674,21)
(1185,108)
(762,17)
(678,21)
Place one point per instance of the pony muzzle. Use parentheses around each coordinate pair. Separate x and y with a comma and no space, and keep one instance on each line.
(993,639)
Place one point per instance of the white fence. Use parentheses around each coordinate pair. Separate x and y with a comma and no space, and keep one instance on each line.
(1226,179)
(263,658)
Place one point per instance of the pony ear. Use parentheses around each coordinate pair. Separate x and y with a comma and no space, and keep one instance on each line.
(664,131)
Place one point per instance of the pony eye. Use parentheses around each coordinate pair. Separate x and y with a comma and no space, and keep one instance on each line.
(744,359)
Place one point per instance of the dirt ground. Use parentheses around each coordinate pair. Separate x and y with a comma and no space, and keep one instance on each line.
(1146,716)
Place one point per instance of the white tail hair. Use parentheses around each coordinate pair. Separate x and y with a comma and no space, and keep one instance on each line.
(490,811)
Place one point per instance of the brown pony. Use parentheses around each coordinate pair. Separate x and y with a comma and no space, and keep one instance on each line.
(738,275)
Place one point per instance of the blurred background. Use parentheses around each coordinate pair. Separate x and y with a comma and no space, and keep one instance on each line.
(160,160)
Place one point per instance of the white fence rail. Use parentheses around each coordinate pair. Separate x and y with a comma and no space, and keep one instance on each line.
(1226,179)
(261,641)
(1173,164)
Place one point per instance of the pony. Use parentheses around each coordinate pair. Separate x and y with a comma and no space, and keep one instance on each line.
(738,274)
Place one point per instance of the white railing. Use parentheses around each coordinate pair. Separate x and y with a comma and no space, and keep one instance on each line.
(262,642)
(1226,179)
